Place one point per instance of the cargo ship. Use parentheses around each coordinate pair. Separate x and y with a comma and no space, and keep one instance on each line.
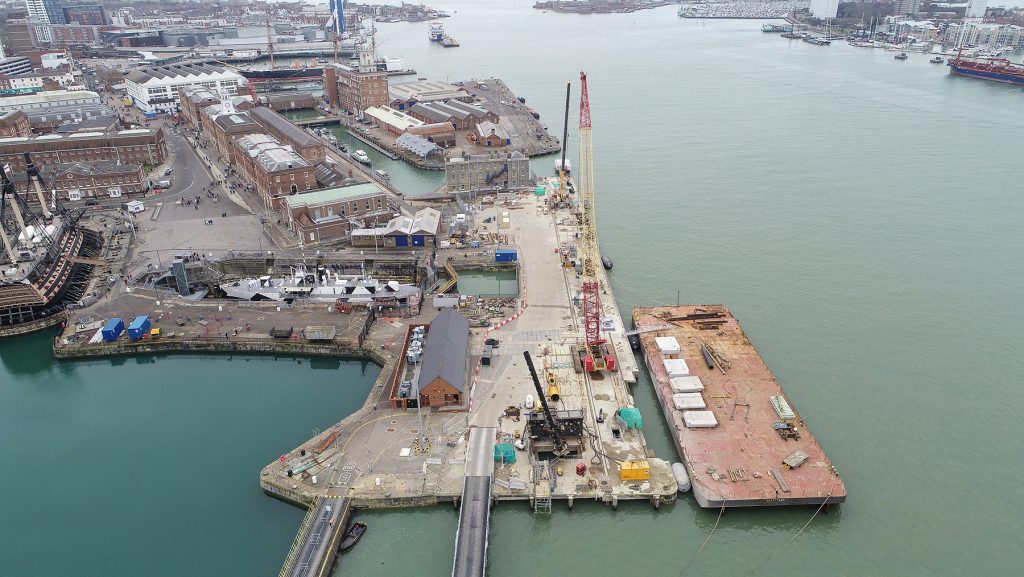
(994,69)
(306,74)
(48,256)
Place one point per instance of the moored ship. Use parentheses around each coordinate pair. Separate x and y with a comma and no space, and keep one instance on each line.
(284,74)
(994,69)
(49,257)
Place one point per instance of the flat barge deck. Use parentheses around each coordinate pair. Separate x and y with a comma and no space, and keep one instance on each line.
(737,446)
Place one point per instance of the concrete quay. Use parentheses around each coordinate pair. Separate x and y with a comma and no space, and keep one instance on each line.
(375,456)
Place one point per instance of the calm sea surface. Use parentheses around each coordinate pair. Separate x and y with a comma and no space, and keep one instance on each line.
(861,216)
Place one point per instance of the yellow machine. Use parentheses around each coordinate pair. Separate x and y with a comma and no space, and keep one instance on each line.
(553,393)
(635,471)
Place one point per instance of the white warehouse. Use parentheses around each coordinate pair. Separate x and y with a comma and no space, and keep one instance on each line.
(155,88)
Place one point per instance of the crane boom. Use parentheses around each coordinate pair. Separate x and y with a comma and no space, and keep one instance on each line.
(596,358)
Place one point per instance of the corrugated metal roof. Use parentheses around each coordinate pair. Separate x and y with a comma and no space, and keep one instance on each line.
(330,195)
(446,350)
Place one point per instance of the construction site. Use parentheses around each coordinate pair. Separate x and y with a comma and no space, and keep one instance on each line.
(524,394)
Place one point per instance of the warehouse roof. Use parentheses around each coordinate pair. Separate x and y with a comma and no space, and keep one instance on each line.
(332,195)
(296,135)
(392,117)
(446,350)
(270,153)
(425,91)
(195,70)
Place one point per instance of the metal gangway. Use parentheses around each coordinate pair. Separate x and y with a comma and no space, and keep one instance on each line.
(316,545)
(474,516)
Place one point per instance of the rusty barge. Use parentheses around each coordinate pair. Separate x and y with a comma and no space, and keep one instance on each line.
(740,437)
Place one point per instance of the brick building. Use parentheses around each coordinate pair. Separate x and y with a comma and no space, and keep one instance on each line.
(461,115)
(14,123)
(492,134)
(274,170)
(308,146)
(326,215)
(445,365)
(138,146)
(355,89)
(63,34)
(193,100)
(97,180)
(224,128)
(501,171)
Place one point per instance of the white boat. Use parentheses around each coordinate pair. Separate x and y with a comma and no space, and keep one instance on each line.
(360,156)
(436,33)
(322,285)
(383,175)
(568,165)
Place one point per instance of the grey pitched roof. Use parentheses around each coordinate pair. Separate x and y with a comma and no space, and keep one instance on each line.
(446,350)
(268,117)
(430,113)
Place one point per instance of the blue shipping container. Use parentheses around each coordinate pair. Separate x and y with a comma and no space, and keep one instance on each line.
(113,329)
(139,328)
(505,255)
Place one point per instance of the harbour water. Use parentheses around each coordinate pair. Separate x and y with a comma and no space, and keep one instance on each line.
(860,216)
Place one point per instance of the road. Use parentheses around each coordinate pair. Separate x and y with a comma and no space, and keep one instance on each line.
(319,545)
(474,516)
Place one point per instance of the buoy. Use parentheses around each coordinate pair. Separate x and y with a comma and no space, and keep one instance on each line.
(683,479)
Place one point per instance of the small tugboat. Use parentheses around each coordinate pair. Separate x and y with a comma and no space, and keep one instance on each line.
(607,262)
(352,536)
(936,60)
(901,56)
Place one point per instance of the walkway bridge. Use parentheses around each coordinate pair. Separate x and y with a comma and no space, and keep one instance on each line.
(474,517)
(316,545)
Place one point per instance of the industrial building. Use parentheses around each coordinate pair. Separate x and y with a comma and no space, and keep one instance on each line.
(49,99)
(492,134)
(326,215)
(461,115)
(137,146)
(390,119)
(407,95)
(274,169)
(402,232)
(155,88)
(492,171)
(444,366)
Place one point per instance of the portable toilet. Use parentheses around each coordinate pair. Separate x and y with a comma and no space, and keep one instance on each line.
(139,328)
(113,329)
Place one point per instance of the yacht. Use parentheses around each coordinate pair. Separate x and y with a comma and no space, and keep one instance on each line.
(360,156)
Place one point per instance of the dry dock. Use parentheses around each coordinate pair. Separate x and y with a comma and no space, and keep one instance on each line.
(748,446)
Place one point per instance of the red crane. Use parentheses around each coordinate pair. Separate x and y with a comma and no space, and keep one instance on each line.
(596,357)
